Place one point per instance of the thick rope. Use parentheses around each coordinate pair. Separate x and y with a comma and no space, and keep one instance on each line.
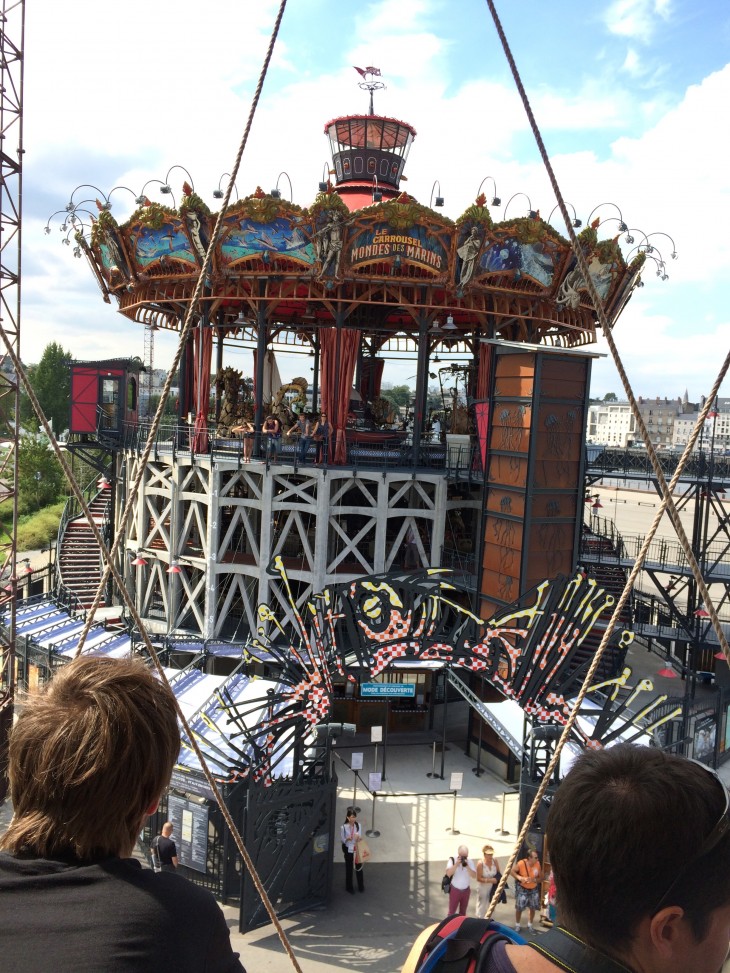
(667,502)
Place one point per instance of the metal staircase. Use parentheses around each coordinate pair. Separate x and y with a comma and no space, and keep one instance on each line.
(79,558)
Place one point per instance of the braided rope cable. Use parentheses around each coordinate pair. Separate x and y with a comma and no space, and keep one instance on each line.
(667,502)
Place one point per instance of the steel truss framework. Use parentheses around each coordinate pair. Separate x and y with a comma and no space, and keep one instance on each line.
(218,522)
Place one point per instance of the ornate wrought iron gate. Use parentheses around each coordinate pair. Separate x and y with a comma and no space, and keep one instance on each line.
(289,832)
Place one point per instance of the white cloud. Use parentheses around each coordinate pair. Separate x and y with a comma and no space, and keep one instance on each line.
(166,86)
(636,19)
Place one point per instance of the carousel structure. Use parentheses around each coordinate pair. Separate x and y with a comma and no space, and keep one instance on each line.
(288,539)
(497,311)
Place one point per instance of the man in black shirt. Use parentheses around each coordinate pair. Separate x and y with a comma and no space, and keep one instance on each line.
(89,758)
(165,850)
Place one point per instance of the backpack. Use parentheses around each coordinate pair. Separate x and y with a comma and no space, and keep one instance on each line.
(458,945)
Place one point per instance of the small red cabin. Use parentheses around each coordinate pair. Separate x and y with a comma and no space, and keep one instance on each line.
(104,396)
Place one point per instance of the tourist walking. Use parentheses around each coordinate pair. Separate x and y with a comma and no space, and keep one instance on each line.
(528,873)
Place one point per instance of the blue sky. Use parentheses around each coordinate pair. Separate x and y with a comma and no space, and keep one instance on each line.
(631,97)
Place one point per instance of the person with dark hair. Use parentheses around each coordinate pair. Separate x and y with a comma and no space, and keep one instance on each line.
(304,428)
(322,432)
(89,758)
(627,902)
(271,429)
(528,875)
(351,834)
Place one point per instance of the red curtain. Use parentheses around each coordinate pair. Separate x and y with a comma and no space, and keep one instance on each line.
(372,371)
(339,356)
(203,350)
(481,401)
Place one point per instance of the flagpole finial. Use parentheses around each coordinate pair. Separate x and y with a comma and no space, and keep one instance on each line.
(370,85)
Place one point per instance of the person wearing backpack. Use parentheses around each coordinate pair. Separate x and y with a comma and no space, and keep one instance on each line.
(626,903)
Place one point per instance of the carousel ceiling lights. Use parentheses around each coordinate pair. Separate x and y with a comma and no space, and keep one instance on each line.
(575,222)
(439,198)
(622,225)
(276,192)
(496,201)
(532,214)
(450,326)
(324,182)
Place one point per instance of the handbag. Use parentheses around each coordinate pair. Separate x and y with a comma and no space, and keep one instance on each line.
(362,852)
(503,897)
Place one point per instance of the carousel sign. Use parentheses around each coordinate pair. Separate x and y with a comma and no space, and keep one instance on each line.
(383,242)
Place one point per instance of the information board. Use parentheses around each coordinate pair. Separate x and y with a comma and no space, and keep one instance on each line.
(190,832)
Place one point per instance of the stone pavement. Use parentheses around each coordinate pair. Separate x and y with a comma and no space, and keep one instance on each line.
(374,931)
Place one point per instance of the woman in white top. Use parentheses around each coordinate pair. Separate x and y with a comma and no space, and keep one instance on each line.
(487,871)
(350,833)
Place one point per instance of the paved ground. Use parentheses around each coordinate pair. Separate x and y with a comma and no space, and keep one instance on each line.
(375,930)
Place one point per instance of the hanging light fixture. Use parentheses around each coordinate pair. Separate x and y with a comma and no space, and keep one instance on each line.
(139,561)
(701,612)
(668,672)
(174,568)
(450,326)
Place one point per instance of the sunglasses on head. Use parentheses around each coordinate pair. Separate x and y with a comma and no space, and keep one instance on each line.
(711,841)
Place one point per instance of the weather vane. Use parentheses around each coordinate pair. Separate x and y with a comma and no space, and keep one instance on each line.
(370,85)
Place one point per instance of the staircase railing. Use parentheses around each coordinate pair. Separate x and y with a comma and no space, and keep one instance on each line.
(71,510)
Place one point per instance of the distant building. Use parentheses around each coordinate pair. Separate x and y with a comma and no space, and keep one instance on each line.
(717,426)
(659,416)
(611,423)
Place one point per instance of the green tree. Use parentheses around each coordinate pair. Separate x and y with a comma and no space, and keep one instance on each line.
(40,477)
(51,380)
(610,397)
(399,395)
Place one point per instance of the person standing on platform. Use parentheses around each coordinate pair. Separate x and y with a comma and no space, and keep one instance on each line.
(164,848)
(351,834)
(322,432)
(528,873)
(272,430)
(461,871)
(304,427)
(487,878)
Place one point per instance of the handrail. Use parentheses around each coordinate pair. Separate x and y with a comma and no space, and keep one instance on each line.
(462,462)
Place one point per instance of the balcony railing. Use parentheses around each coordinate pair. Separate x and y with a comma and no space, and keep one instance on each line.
(460,462)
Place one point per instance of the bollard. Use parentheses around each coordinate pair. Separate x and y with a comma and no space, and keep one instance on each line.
(501,830)
(372,833)
(433,763)
(453,828)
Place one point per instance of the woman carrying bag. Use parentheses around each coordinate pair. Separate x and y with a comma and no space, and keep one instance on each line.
(351,835)
(488,876)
